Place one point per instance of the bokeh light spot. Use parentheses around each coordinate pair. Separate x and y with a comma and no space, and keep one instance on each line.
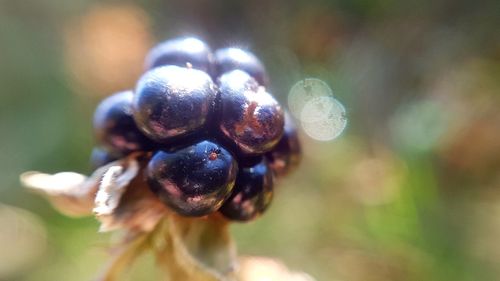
(23,240)
(323,118)
(304,91)
(105,47)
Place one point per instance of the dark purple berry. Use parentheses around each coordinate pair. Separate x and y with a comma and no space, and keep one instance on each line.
(114,125)
(252,193)
(235,58)
(249,161)
(286,155)
(100,157)
(185,52)
(250,117)
(172,101)
(193,181)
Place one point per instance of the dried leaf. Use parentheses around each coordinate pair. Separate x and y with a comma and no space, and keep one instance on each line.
(71,193)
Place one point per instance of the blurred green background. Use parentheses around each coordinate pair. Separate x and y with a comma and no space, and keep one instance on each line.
(410,191)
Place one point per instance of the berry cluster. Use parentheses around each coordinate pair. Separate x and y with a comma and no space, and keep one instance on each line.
(212,146)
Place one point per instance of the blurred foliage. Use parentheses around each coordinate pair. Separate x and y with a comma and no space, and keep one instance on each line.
(411,190)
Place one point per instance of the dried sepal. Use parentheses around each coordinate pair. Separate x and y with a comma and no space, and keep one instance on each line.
(124,255)
(205,244)
(195,249)
(199,249)
(207,240)
(113,185)
(125,201)
(70,193)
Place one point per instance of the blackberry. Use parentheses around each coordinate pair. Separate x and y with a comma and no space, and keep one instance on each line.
(252,194)
(115,128)
(212,146)
(100,157)
(171,102)
(250,117)
(229,59)
(286,155)
(183,51)
(193,181)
